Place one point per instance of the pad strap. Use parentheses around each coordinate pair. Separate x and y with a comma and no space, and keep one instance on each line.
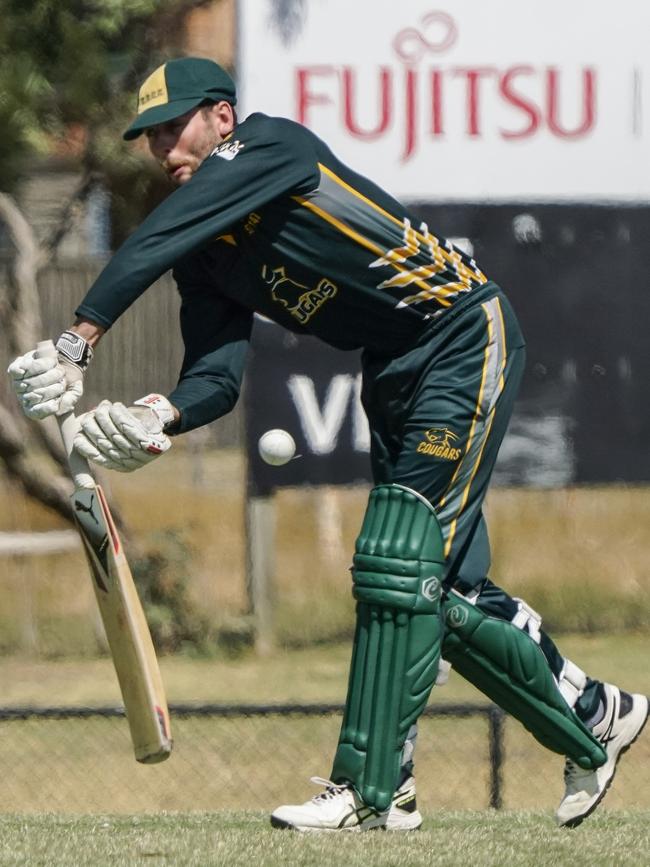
(528,620)
(571,682)
(509,666)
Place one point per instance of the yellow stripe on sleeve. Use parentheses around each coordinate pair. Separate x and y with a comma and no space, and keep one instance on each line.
(453,258)
(365,242)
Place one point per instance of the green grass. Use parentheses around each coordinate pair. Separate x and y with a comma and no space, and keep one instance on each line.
(240,838)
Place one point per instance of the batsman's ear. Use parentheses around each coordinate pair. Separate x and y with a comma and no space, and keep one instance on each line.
(222,116)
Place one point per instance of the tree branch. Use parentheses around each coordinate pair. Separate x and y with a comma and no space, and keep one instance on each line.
(20,305)
(19,302)
(65,222)
(21,313)
(51,492)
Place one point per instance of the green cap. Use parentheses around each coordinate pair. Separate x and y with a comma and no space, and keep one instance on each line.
(179,86)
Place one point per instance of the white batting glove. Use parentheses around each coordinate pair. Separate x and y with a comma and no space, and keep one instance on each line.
(125,438)
(51,386)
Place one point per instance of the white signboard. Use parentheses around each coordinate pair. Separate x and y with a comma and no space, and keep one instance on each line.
(466,99)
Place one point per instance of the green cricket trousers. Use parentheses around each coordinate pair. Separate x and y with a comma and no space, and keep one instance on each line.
(438,414)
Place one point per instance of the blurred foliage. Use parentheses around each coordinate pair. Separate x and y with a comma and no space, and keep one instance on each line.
(71,70)
(162,576)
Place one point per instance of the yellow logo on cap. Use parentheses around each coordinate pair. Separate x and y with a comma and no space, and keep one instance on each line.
(154,91)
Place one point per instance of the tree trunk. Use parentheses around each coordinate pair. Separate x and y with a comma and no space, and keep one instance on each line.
(52,492)
(20,308)
(20,313)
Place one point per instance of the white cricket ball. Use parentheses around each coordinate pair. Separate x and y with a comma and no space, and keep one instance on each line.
(276,447)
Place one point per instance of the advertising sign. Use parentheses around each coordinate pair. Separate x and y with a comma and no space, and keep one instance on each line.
(463,101)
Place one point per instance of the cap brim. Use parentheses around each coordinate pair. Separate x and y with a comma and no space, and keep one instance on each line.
(160,114)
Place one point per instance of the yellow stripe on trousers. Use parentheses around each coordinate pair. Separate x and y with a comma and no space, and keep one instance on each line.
(450,507)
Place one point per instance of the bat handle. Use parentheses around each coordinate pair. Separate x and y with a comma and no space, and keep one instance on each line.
(68,426)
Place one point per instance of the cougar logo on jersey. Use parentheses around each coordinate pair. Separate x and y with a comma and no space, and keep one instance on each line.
(438,443)
(227,150)
(301,301)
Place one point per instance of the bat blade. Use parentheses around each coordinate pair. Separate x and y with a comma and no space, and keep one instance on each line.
(126,627)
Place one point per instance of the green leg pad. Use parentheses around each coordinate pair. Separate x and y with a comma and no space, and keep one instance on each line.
(508,666)
(398,565)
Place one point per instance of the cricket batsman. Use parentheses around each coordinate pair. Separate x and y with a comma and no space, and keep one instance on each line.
(266,219)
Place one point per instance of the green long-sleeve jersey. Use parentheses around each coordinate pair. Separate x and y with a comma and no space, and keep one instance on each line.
(273,222)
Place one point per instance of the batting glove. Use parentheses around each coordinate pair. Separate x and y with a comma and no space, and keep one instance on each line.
(125,438)
(51,386)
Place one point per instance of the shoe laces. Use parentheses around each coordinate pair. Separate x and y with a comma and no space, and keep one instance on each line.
(573,773)
(332,790)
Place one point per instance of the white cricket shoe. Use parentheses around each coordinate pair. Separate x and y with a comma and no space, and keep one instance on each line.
(339,808)
(625,716)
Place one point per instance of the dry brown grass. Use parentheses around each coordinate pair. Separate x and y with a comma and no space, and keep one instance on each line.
(581,556)
(311,674)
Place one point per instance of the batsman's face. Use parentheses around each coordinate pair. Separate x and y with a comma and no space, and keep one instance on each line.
(180,145)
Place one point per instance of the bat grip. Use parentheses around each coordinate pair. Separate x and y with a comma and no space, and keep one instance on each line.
(68,426)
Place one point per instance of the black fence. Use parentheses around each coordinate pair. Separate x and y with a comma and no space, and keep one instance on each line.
(225,757)
(256,757)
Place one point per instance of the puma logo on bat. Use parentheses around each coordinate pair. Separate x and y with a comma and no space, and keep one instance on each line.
(82,507)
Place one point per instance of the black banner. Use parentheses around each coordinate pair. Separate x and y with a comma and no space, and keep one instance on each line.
(578,278)
(311,390)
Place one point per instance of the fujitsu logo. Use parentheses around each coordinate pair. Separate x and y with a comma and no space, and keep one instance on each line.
(426,94)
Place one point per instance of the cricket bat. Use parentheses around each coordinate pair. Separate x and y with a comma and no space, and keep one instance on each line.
(124,621)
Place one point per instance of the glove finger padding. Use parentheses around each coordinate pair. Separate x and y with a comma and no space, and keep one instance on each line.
(28,366)
(42,409)
(140,425)
(32,397)
(38,384)
(45,385)
(116,444)
(74,390)
(88,451)
(97,440)
(121,438)
(33,381)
